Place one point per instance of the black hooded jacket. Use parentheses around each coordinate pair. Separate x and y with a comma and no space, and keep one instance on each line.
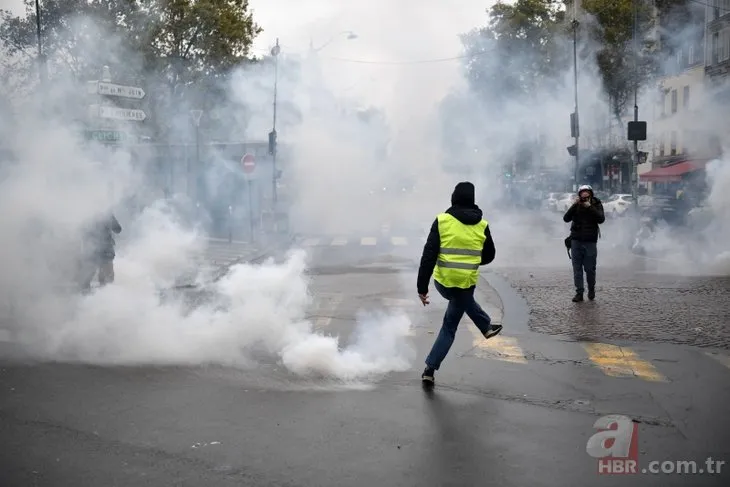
(585,220)
(464,210)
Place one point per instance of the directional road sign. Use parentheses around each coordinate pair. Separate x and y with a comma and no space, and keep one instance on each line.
(103,135)
(111,89)
(116,113)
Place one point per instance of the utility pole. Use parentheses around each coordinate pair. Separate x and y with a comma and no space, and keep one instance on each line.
(576,123)
(42,71)
(637,129)
(272,136)
(635,168)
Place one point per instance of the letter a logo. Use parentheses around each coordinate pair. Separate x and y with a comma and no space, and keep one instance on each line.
(616,438)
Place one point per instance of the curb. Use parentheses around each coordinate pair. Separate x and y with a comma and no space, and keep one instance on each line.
(515,311)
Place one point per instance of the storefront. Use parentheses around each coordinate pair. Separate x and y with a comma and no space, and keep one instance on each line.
(687,175)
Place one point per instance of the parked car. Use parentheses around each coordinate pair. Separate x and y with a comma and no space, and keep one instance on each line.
(565,201)
(617,204)
(659,207)
(550,202)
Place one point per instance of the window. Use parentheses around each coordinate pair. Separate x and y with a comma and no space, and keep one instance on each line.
(664,104)
(685,98)
(674,101)
(673,144)
(715,44)
(679,60)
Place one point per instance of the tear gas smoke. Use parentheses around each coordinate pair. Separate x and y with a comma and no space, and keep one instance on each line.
(350,129)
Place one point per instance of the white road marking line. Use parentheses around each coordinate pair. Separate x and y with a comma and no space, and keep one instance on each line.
(311,242)
(368,241)
(399,241)
(339,242)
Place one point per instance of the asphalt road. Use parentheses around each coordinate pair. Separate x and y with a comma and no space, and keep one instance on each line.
(513,411)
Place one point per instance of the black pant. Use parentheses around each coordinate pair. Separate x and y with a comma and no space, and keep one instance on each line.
(584,256)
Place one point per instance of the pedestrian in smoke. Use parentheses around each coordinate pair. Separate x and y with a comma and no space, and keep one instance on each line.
(99,251)
(458,243)
(584,215)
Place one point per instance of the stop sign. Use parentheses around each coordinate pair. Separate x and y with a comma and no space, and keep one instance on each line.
(248,162)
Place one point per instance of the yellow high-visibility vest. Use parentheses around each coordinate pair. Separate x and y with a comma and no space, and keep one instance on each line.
(460,253)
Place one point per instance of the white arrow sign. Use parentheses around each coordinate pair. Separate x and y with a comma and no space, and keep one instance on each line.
(116,113)
(110,89)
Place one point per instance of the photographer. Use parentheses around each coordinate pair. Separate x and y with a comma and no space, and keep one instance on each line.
(585,214)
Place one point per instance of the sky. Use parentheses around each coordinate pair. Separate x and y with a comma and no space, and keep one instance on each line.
(387,31)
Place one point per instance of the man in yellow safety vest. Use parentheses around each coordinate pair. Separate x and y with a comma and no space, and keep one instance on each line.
(459,242)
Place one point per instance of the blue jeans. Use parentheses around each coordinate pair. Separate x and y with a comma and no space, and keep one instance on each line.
(584,256)
(460,301)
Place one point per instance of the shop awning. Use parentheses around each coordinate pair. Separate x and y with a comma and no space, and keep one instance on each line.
(673,173)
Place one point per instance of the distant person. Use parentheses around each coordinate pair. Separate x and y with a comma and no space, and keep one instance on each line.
(585,214)
(459,242)
(99,251)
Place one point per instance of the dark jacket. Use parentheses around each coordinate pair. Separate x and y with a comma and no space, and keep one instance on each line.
(100,237)
(468,215)
(585,220)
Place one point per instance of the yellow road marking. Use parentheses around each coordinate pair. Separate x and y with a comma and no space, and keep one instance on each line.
(368,241)
(399,241)
(621,362)
(499,347)
(311,242)
(723,359)
(339,241)
(326,309)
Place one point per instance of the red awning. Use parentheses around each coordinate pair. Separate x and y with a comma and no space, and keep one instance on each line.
(673,173)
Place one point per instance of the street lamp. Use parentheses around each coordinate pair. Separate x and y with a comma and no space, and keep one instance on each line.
(196,115)
(41,57)
(350,36)
(275,51)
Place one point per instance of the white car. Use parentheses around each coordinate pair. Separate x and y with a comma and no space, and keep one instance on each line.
(551,201)
(565,201)
(617,204)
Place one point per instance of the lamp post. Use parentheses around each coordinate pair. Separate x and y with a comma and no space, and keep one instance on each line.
(635,165)
(196,115)
(575,125)
(41,57)
(350,36)
(272,136)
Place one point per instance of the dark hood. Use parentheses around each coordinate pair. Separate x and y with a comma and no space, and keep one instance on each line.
(468,215)
(463,207)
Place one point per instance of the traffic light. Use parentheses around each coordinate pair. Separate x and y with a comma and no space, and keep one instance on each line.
(637,131)
(272,142)
(571,150)
(574,126)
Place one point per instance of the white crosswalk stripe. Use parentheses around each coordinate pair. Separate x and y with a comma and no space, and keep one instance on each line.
(396,241)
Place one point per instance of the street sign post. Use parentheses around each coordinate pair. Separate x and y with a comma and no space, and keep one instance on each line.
(117,113)
(248,161)
(110,89)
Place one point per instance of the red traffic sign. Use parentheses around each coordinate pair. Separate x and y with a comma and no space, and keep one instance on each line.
(248,162)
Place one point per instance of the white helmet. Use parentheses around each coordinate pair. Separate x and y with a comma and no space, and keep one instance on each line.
(585,187)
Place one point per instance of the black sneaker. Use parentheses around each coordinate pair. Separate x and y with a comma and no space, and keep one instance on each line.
(591,294)
(494,330)
(427,376)
(578,297)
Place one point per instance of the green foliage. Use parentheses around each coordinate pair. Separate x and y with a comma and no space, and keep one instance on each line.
(520,50)
(180,40)
(623,65)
